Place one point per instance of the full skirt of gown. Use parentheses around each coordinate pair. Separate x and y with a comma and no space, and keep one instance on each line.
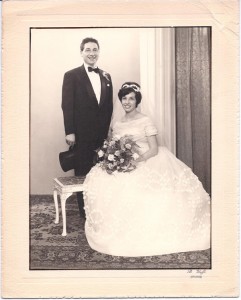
(159,208)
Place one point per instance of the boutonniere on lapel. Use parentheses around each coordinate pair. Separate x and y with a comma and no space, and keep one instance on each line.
(106,75)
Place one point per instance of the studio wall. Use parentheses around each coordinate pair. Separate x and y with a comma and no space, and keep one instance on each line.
(53,52)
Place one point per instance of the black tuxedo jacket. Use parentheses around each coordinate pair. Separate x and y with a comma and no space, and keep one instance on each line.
(83,115)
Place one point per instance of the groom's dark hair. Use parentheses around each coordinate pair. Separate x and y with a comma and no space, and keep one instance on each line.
(88,40)
(129,87)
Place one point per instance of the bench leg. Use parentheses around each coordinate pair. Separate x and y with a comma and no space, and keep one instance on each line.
(56,207)
(64,197)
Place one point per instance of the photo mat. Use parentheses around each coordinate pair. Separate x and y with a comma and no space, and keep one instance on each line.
(222,280)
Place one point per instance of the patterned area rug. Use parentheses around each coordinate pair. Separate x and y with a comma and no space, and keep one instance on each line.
(49,250)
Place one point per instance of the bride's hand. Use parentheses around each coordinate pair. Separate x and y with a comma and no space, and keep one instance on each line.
(137,160)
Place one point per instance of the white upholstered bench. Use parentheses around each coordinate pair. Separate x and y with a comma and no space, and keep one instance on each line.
(65,186)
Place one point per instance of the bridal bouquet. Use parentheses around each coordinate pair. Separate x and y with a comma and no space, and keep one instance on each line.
(118,154)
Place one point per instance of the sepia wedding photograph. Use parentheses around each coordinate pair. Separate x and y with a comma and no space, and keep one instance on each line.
(120,159)
(152,92)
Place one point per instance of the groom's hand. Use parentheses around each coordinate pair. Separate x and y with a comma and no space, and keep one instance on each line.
(70,139)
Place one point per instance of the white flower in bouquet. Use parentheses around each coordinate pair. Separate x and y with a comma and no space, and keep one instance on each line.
(105,145)
(135,156)
(117,153)
(101,153)
(111,157)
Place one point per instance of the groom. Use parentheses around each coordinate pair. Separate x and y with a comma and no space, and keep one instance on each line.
(87,103)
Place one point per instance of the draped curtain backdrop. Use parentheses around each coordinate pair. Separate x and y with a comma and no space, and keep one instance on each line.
(193,101)
(157,80)
(157,72)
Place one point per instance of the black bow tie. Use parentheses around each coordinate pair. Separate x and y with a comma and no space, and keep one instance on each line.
(96,70)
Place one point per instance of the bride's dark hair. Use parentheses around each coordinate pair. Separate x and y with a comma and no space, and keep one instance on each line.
(129,87)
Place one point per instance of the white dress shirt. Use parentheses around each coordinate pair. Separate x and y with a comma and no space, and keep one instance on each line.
(95,81)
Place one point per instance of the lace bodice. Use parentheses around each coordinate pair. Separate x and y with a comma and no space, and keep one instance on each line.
(139,129)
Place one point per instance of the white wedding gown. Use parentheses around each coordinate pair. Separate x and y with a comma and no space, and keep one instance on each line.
(159,208)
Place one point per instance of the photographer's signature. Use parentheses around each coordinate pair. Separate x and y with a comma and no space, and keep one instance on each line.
(196,273)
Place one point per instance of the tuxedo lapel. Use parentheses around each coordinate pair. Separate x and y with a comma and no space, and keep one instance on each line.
(103,89)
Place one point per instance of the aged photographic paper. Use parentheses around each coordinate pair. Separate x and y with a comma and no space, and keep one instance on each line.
(37,37)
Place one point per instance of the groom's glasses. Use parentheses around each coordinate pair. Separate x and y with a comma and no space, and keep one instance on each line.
(133,86)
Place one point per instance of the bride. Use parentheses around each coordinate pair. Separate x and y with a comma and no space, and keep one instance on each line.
(159,208)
